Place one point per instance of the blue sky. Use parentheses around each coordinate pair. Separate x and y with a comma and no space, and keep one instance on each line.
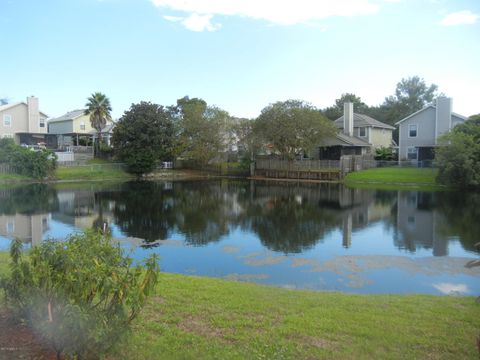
(240,55)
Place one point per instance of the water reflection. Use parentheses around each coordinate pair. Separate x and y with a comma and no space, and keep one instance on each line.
(286,218)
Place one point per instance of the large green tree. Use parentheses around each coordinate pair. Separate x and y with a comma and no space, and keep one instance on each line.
(99,108)
(292,127)
(143,136)
(202,130)
(411,95)
(458,159)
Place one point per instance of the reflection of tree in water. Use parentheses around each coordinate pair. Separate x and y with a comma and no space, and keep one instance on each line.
(28,200)
(202,211)
(147,211)
(142,209)
(288,218)
(462,209)
(288,226)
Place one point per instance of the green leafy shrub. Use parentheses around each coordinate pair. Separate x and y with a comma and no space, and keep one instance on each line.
(24,161)
(80,294)
(384,153)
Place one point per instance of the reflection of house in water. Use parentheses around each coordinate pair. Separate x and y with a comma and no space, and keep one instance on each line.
(353,208)
(28,228)
(418,223)
(79,209)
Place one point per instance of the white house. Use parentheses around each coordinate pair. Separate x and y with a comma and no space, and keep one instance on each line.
(419,132)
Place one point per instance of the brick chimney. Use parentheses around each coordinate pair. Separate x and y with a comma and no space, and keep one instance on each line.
(33,114)
(348,118)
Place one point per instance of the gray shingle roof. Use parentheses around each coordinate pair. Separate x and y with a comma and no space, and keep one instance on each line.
(360,120)
(68,116)
(341,139)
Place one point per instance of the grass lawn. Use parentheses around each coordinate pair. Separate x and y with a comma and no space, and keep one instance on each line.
(94,170)
(8,178)
(394,178)
(202,318)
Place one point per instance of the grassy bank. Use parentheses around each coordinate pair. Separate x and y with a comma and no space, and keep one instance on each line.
(9,178)
(394,178)
(94,170)
(193,317)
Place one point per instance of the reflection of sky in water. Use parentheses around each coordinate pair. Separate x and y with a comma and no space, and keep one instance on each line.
(362,248)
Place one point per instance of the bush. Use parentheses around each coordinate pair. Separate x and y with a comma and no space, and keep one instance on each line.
(81,294)
(24,161)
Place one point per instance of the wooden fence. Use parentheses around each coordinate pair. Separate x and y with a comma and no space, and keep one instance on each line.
(6,169)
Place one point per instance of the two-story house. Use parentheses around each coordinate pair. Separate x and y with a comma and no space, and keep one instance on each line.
(357,134)
(75,128)
(25,123)
(419,132)
(374,132)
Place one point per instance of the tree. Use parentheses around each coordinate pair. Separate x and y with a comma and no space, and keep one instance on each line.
(336,111)
(80,294)
(411,95)
(292,127)
(98,107)
(144,135)
(3,101)
(458,159)
(202,130)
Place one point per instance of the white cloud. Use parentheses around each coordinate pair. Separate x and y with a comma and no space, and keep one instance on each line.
(281,12)
(459,18)
(196,22)
(173,18)
(452,289)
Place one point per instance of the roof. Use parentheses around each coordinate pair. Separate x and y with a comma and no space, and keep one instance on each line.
(360,120)
(425,108)
(68,116)
(8,106)
(342,139)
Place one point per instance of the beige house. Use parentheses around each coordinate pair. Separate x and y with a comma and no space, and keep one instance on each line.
(23,121)
(357,135)
(365,128)
(28,228)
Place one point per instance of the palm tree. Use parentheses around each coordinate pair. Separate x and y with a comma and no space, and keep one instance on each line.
(98,107)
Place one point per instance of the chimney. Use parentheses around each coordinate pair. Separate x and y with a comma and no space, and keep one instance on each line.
(443,116)
(33,114)
(348,118)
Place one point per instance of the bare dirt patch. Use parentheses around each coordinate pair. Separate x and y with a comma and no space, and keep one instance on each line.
(198,326)
(17,341)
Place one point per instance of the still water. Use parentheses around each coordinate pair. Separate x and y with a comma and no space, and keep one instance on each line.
(311,236)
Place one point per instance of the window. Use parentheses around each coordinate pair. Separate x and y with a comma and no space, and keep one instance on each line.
(362,132)
(412,153)
(9,136)
(412,130)
(7,120)
(42,123)
(10,227)
(82,126)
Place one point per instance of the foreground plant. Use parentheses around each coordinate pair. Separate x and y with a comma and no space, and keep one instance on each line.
(79,295)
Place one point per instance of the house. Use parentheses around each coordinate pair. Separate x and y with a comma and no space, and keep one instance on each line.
(419,132)
(366,128)
(358,135)
(25,123)
(74,128)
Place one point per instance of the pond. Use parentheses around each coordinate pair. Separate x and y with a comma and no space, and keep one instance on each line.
(309,236)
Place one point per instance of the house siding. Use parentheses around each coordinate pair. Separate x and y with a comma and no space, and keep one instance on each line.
(61,127)
(82,119)
(19,124)
(380,137)
(425,122)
